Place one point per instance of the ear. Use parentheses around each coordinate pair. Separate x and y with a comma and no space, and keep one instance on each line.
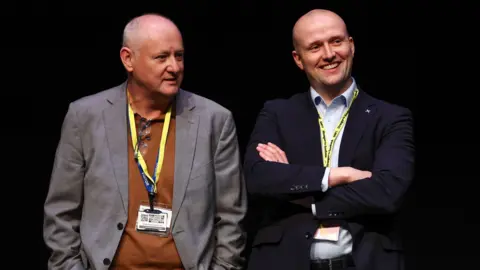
(297,59)
(127,57)
(352,45)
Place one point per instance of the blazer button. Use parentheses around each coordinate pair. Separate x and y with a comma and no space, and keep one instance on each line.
(106,261)
(308,235)
(119,226)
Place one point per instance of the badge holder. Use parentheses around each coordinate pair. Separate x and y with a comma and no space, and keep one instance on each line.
(327,233)
(154,218)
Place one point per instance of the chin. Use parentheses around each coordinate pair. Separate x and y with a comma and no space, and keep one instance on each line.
(331,82)
(338,79)
(169,91)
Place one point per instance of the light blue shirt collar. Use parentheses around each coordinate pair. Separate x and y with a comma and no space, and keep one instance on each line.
(346,97)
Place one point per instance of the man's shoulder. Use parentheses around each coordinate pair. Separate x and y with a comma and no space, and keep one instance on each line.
(99,100)
(205,105)
(298,100)
(386,107)
(211,113)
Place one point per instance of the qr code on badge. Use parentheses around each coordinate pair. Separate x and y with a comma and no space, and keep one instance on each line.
(156,219)
(144,217)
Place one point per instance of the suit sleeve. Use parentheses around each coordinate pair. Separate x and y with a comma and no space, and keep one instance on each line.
(272,179)
(392,173)
(231,201)
(62,208)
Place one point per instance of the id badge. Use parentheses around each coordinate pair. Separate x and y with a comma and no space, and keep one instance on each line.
(155,222)
(328,233)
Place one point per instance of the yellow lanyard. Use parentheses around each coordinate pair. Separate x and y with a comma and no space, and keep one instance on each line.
(151,187)
(327,149)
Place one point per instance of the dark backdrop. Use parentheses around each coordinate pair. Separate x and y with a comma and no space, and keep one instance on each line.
(238,54)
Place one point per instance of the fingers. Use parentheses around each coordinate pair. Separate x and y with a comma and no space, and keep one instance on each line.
(271,152)
(364,174)
(280,153)
(357,174)
(266,156)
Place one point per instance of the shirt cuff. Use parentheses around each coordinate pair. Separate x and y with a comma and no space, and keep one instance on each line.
(324,185)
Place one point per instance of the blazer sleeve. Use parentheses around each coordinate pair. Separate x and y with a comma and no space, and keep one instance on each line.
(272,179)
(231,201)
(63,205)
(392,173)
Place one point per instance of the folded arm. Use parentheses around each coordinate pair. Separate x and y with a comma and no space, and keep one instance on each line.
(276,179)
(63,204)
(392,174)
(380,191)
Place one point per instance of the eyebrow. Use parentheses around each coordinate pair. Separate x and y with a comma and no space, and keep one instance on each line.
(339,36)
(168,52)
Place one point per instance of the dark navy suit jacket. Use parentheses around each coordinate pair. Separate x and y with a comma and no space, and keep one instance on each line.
(378,137)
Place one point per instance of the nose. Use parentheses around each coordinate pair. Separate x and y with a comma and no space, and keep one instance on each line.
(329,54)
(173,65)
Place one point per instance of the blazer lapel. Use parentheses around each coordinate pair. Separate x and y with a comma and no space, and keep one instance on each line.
(115,120)
(314,142)
(361,112)
(185,142)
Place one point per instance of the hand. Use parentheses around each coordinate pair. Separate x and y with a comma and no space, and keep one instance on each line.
(271,152)
(355,174)
(345,175)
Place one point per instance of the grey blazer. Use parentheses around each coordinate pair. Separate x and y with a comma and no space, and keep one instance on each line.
(86,205)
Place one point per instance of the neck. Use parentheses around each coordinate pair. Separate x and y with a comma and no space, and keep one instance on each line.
(147,103)
(328,93)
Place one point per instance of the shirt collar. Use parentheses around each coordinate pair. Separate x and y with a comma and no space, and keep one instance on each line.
(346,97)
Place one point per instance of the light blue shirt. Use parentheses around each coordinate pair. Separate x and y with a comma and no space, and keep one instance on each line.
(331,115)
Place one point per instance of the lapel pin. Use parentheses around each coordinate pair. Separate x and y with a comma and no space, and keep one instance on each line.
(367,111)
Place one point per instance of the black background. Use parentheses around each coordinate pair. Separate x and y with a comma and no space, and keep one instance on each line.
(238,53)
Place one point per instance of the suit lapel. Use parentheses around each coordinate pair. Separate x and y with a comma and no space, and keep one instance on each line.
(361,112)
(312,126)
(115,120)
(185,142)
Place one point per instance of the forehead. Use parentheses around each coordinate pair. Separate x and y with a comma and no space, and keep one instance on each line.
(320,29)
(161,39)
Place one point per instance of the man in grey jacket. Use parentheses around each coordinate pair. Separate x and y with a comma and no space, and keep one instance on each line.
(147,175)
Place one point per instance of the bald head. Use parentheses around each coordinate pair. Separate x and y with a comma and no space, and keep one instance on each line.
(146,27)
(315,17)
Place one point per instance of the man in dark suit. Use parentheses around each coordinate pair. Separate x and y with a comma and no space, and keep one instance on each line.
(329,167)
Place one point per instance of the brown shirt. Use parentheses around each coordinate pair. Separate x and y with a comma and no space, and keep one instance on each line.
(139,250)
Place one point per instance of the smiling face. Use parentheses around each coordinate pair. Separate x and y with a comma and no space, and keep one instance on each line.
(324,50)
(154,56)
